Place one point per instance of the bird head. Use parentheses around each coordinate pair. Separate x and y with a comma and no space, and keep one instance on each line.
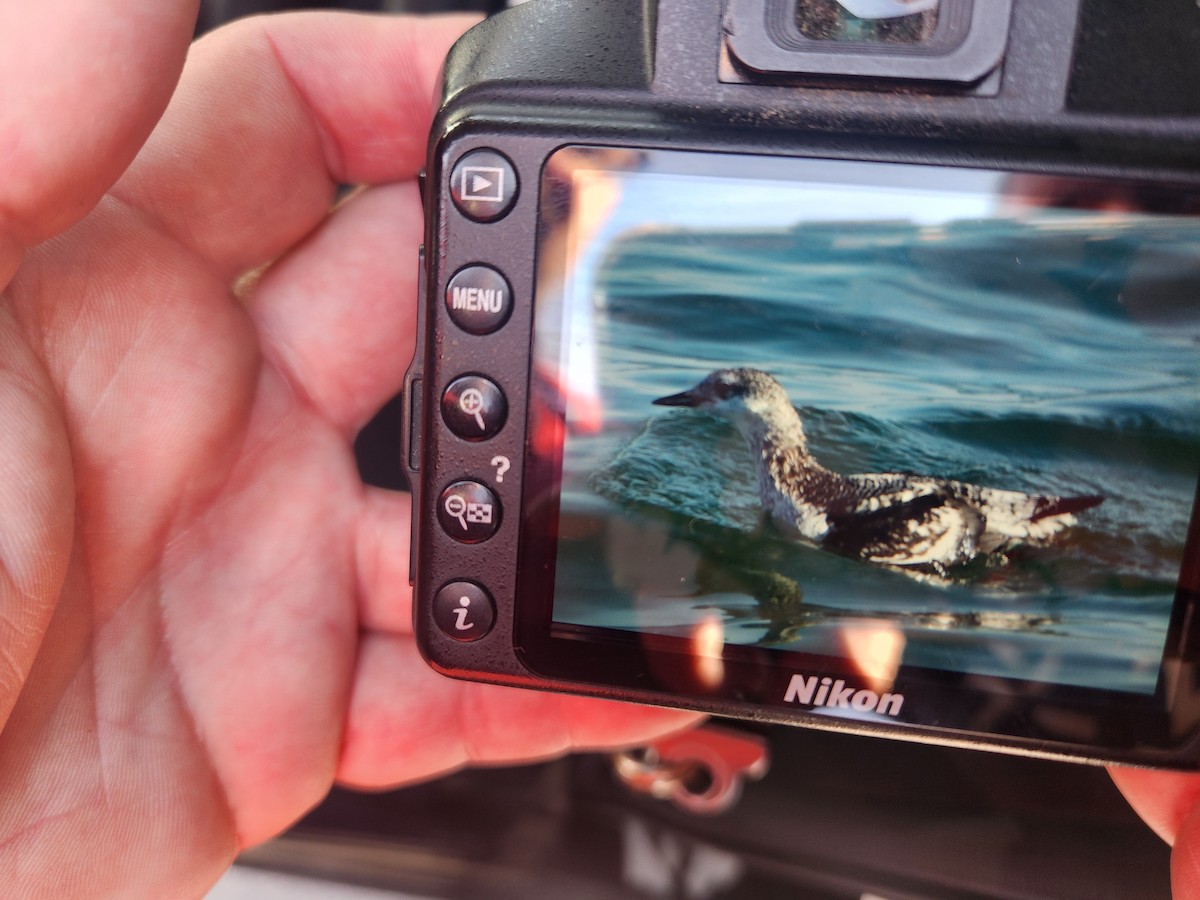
(745,396)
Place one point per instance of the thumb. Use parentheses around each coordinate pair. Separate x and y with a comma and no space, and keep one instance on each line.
(82,83)
(1185,859)
(1169,802)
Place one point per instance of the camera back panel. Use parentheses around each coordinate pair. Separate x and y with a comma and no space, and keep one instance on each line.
(593,235)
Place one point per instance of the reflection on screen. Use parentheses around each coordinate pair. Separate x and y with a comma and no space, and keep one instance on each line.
(908,415)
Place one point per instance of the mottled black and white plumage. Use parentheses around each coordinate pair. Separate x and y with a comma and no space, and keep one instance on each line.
(916,523)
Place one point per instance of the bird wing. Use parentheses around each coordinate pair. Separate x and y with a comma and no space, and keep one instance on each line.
(1014,517)
(907,528)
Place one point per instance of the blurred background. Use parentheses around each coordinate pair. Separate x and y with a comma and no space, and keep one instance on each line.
(217,12)
(834,817)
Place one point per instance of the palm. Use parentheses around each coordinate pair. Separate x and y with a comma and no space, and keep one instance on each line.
(214,622)
(196,579)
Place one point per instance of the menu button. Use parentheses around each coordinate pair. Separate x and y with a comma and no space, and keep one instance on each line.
(479,299)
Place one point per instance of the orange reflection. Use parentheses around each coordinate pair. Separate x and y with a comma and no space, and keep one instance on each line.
(875,649)
(708,644)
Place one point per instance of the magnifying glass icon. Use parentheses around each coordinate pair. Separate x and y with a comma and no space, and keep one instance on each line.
(456,506)
(471,402)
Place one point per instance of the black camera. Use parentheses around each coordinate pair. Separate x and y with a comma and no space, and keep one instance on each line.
(831,362)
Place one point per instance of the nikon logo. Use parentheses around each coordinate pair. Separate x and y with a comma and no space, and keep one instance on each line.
(814,691)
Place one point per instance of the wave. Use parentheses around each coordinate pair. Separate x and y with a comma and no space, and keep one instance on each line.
(696,471)
(997,303)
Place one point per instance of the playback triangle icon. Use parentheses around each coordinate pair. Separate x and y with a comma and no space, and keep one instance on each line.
(483,185)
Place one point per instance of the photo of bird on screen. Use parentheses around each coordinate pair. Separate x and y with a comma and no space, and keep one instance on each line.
(917,524)
(951,405)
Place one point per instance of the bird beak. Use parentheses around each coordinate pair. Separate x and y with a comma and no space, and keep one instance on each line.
(687,398)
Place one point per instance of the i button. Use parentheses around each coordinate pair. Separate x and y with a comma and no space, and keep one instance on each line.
(464,611)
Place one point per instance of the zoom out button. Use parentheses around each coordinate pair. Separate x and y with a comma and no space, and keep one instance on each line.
(469,512)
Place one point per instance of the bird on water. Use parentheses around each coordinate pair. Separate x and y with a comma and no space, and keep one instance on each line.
(914,523)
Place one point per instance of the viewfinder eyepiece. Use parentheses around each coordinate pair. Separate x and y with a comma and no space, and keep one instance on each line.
(953,41)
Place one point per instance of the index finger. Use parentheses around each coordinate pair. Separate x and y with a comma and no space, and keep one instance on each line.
(1169,802)
(81,85)
(1164,800)
(272,113)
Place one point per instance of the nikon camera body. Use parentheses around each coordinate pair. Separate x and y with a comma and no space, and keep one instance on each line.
(830,362)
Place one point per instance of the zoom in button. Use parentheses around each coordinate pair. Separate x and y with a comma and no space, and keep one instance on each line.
(474,408)
(469,512)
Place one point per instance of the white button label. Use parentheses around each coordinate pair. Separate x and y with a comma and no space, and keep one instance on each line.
(474,299)
(482,183)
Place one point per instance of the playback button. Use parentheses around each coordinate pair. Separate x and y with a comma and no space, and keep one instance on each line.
(483,185)
(469,512)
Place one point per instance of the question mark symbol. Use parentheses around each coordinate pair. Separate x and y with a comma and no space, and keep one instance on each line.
(502,465)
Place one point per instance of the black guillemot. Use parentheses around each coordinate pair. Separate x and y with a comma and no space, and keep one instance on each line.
(914,523)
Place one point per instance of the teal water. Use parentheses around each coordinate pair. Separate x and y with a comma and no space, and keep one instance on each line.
(1060,357)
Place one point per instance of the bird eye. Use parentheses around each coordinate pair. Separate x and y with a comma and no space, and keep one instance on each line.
(723,390)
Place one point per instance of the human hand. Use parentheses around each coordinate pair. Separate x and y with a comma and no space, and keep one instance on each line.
(204,615)
(1169,802)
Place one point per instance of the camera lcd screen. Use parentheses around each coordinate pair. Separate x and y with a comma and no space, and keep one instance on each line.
(899,424)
